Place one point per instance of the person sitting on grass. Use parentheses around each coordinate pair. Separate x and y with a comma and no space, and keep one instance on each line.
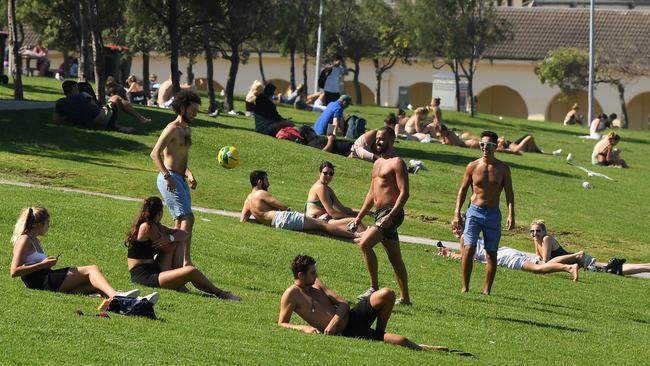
(599,124)
(526,143)
(323,204)
(605,153)
(511,258)
(572,117)
(255,90)
(365,147)
(449,137)
(82,110)
(112,91)
(328,313)
(267,119)
(268,211)
(416,126)
(331,122)
(154,248)
(401,122)
(549,250)
(328,143)
(34,267)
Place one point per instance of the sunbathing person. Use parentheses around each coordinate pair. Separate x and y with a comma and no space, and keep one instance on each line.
(34,267)
(328,313)
(268,211)
(416,127)
(401,122)
(449,137)
(155,254)
(322,202)
(572,117)
(365,147)
(113,95)
(605,153)
(328,143)
(526,143)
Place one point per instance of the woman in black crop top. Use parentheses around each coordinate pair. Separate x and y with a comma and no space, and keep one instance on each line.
(155,254)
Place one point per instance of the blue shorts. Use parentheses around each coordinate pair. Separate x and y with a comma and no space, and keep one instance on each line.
(487,220)
(179,202)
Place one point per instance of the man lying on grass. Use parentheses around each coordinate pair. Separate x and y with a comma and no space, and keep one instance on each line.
(327,312)
(271,212)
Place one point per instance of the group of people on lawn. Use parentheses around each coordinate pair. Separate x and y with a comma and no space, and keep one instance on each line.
(159,256)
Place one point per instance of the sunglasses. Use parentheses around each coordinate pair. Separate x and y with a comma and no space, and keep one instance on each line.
(329,174)
(489,143)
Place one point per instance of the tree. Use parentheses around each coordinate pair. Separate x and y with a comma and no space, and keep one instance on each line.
(98,48)
(14,43)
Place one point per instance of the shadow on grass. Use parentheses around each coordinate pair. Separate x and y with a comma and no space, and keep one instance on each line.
(539,324)
(520,300)
(497,125)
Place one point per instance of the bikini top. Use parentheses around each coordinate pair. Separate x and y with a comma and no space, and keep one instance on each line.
(141,250)
(35,256)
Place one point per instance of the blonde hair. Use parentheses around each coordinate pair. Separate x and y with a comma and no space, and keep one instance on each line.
(422,110)
(254,91)
(613,136)
(29,217)
(540,223)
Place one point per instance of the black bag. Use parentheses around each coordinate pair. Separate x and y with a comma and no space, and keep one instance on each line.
(322,77)
(131,306)
(356,126)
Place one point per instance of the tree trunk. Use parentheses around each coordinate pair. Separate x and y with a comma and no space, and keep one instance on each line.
(261,64)
(378,75)
(454,69)
(292,68)
(357,85)
(190,70)
(470,94)
(98,50)
(621,98)
(15,49)
(172,28)
(83,70)
(145,74)
(305,58)
(232,75)
(207,48)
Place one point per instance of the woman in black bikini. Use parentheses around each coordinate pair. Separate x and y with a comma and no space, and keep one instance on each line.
(153,249)
(322,202)
(34,267)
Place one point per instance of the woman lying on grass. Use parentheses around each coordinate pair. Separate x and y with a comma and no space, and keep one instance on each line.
(549,250)
(526,143)
(30,263)
(147,239)
(322,202)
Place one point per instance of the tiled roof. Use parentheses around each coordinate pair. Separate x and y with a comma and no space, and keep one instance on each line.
(31,37)
(538,30)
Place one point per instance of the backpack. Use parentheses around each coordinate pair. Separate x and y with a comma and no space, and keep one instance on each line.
(289,133)
(322,77)
(356,127)
(131,306)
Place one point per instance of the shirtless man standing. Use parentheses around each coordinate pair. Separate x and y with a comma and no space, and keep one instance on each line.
(271,212)
(389,191)
(174,143)
(488,177)
(327,312)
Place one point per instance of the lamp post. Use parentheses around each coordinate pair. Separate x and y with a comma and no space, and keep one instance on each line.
(590,101)
(318,46)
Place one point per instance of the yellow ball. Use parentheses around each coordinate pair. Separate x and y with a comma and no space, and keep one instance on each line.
(228,157)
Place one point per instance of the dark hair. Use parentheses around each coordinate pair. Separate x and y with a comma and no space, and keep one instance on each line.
(151,207)
(325,164)
(256,176)
(269,89)
(68,85)
(304,130)
(387,130)
(613,116)
(338,56)
(443,127)
(184,98)
(301,263)
(492,135)
(401,112)
(391,119)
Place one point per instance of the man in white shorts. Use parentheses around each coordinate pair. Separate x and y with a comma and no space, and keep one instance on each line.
(269,211)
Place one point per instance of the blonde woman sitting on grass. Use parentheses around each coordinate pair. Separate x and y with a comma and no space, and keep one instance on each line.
(605,152)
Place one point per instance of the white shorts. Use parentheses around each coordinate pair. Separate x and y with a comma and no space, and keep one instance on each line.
(512,258)
(289,220)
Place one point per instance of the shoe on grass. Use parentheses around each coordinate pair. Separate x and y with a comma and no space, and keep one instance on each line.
(368,292)
(152,297)
(403,302)
(131,293)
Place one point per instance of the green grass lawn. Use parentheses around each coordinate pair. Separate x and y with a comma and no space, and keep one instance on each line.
(529,318)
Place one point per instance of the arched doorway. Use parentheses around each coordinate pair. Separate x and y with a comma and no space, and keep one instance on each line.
(501,100)
(367,96)
(281,86)
(638,112)
(420,94)
(560,105)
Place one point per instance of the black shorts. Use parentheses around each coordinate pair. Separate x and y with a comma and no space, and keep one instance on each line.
(46,279)
(360,322)
(389,232)
(146,274)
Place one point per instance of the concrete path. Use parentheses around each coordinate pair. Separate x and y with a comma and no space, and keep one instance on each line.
(16,105)
(403,238)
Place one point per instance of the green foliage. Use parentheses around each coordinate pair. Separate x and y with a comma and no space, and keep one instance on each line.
(565,67)
(143,31)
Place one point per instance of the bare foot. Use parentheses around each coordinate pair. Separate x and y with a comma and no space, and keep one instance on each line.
(434,348)
(464,290)
(574,272)
(486,292)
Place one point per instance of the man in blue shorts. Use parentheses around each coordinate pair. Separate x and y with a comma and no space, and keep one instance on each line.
(332,115)
(488,178)
(174,143)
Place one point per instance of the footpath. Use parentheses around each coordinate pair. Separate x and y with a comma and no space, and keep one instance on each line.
(403,238)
